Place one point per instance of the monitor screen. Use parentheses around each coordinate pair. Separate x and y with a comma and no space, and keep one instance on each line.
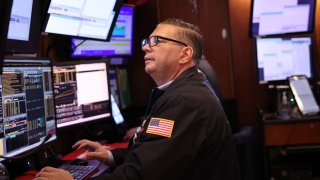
(116,113)
(278,58)
(93,19)
(24,28)
(119,45)
(27,106)
(81,92)
(271,17)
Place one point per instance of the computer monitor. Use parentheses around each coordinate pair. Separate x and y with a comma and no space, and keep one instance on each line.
(120,43)
(81,92)
(25,26)
(113,84)
(116,113)
(279,58)
(93,19)
(271,17)
(27,107)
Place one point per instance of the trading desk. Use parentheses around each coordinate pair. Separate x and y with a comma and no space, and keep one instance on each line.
(287,141)
(29,175)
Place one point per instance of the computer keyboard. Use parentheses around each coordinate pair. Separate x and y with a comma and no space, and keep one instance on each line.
(80,172)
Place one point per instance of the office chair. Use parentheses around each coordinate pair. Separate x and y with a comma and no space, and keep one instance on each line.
(244,141)
(229,105)
(210,74)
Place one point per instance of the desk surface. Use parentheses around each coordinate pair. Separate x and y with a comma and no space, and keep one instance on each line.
(274,120)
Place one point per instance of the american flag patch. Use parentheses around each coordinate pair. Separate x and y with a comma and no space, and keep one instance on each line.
(162,127)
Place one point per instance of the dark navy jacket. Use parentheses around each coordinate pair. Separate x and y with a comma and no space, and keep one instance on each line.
(198,145)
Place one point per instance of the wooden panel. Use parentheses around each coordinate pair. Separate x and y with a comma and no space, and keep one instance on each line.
(181,9)
(248,92)
(317,39)
(292,134)
(212,17)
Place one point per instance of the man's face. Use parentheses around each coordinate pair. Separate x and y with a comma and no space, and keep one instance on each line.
(162,60)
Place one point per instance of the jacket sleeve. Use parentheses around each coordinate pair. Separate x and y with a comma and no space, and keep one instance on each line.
(118,155)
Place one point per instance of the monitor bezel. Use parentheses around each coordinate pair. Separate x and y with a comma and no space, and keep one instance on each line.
(116,9)
(81,56)
(312,16)
(84,61)
(282,81)
(54,137)
(31,46)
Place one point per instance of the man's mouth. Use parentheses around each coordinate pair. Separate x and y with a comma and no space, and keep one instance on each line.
(147,58)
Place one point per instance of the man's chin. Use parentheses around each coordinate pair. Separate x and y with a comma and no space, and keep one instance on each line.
(148,70)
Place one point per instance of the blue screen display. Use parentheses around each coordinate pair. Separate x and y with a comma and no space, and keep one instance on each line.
(119,45)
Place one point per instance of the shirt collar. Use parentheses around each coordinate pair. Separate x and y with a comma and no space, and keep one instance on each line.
(164,86)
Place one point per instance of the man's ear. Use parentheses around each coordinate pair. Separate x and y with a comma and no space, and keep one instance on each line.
(186,55)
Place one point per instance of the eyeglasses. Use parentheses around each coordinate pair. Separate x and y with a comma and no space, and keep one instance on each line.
(154,40)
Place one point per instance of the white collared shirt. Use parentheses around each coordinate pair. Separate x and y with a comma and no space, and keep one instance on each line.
(165,85)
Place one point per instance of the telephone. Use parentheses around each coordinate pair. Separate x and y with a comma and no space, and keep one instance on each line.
(303,95)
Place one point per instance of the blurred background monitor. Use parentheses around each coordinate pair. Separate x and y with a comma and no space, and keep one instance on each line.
(120,43)
(278,58)
(113,84)
(24,28)
(27,106)
(271,17)
(5,10)
(116,113)
(81,92)
(93,19)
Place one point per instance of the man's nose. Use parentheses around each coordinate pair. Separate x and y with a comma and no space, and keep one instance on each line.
(146,47)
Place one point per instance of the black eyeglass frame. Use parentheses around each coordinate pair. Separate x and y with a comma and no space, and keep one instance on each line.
(157,40)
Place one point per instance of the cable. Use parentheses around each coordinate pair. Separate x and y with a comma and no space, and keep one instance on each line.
(75,47)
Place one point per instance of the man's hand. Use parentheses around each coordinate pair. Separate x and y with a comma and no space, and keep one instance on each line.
(53,174)
(96,150)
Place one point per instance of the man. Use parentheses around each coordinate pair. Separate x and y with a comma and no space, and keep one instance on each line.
(204,68)
(185,134)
